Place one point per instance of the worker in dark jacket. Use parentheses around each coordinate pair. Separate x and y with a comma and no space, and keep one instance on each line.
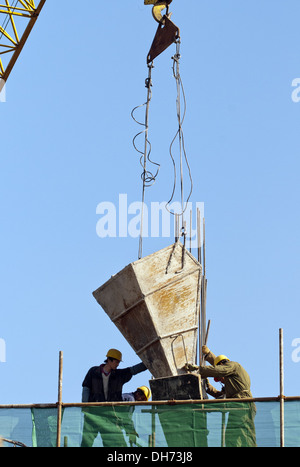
(104,383)
(240,429)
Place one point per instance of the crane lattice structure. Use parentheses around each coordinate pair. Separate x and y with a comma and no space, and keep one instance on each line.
(17,18)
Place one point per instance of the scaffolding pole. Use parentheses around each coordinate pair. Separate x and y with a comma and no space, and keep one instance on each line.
(281,375)
(59,401)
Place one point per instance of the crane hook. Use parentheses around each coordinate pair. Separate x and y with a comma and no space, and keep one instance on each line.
(158,7)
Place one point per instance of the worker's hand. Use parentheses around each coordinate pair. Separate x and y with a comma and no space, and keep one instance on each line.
(205,349)
(190,367)
(207,384)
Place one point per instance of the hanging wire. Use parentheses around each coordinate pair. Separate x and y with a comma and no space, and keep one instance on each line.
(180,136)
(148,178)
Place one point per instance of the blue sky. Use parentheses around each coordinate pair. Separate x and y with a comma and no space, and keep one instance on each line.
(66,146)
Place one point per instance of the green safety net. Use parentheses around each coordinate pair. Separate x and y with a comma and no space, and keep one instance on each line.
(225,424)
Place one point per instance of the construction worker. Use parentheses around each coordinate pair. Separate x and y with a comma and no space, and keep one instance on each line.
(142,393)
(240,429)
(235,378)
(104,383)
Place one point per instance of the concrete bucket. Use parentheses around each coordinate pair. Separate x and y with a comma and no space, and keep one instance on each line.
(154,302)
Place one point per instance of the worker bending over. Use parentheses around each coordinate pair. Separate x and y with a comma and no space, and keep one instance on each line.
(141,394)
(240,429)
(235,378)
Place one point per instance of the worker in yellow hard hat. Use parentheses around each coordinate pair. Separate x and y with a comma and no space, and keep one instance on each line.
(144,391)
(104,383)
(240,430)
(235,377)
(141,394)
(114,353)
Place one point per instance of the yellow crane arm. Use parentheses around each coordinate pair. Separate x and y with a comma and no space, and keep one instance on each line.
(13,39)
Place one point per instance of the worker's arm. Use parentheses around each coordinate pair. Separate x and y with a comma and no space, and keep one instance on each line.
(218,371)
(85,394)
(86,386)
(138,368)
(213,391)
(208,355)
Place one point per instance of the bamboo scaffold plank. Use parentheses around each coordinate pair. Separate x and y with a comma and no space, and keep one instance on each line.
(17,18)
(149,403)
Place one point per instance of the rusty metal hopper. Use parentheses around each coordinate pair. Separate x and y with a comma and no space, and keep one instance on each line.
(154,302)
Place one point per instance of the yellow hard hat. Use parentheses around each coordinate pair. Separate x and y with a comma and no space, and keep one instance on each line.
(146,391)
(219,359)
(114,353)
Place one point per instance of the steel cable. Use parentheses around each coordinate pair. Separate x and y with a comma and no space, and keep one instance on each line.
(148,178)
(179,134)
